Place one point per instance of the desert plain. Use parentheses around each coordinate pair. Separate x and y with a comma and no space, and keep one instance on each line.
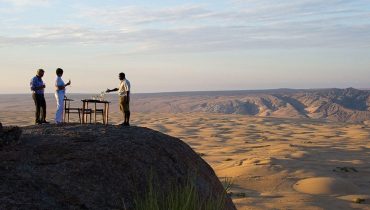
(270,163)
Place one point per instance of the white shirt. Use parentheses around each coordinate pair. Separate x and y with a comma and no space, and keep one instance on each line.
(59,82)
(124,87)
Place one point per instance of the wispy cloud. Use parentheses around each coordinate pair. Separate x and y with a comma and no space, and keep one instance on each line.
(26,2)
(142,15)
(245,24)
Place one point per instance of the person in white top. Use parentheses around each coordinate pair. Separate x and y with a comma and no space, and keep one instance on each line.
(60,92)
(124,97)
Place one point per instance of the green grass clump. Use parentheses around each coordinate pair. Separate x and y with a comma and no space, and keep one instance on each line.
(227,182)
(178,197)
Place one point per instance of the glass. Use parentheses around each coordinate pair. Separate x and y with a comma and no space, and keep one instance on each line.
(102,96)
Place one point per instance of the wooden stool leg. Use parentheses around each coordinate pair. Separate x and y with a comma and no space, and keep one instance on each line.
(83,112)
(103,114)
(87,107)
(79,115)
(107,114)
(95,113)
(65,108)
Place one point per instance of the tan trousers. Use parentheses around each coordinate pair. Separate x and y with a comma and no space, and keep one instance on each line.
(124,104)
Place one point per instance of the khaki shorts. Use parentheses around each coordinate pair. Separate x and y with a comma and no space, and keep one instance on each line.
(124,104)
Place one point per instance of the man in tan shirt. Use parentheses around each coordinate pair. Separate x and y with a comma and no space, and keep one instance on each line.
(124,97)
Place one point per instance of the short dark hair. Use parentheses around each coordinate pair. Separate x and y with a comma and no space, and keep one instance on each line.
(122,75)
(59,71)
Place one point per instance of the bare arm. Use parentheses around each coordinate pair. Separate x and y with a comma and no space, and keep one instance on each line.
(112,90)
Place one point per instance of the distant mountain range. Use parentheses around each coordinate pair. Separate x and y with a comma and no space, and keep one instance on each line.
(344,105)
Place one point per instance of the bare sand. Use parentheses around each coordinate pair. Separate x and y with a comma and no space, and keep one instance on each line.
(272,163)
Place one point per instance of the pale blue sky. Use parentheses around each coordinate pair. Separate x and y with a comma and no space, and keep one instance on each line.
(173,45)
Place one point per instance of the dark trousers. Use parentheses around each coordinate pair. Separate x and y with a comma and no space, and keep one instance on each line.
(40,103)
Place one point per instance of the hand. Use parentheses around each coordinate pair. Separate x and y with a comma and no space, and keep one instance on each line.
(43,86)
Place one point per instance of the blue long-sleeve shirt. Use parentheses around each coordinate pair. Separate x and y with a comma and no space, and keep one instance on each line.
(37,82)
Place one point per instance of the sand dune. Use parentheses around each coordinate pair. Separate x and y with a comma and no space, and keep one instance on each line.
(325,186)
(266,158)
(273,163)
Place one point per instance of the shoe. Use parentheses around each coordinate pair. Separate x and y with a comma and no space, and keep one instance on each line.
(126,124)
(45,122)
(37,122)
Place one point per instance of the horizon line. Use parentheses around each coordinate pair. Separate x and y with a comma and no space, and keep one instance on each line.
(204,91)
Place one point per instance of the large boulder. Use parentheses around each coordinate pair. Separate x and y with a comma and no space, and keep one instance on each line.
(97,167)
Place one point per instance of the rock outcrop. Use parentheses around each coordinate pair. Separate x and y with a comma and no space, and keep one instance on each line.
(96,167)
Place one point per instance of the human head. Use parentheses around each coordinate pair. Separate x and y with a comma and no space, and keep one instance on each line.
(59,72)
(40,72)
(122,76)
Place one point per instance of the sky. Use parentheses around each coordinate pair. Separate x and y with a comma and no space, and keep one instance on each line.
(171,45)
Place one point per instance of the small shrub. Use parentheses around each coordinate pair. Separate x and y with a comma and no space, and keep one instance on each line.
(178,197)
(227,182)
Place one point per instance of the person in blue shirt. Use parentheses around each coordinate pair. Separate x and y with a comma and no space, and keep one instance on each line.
(37,88)
(60,92)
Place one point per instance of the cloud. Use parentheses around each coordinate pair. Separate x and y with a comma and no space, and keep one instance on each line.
(138,16)
(246,24)
(21,3)
(199,39)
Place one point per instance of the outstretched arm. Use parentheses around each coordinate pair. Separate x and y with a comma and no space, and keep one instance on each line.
(112,90)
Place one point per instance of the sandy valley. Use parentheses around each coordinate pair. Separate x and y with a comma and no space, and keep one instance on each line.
(272,163)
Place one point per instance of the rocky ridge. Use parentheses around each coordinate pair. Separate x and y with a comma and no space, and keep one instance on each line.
(343,105)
